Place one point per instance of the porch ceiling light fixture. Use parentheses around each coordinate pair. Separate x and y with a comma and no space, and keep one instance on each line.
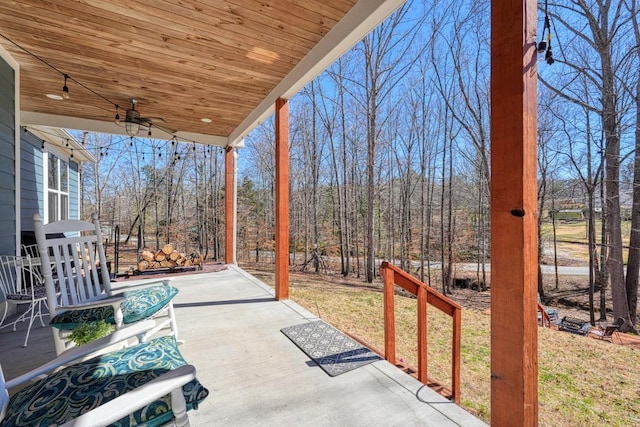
(65,88)
(131,128)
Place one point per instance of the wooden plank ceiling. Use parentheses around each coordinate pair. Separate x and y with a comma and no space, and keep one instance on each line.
(182,60)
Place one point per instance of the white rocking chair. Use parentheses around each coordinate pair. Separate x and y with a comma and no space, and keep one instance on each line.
(73,251)
(145,384)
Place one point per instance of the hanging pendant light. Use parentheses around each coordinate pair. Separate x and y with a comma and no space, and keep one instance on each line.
(65,88)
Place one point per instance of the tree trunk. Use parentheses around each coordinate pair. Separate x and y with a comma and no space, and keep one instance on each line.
(371,153)
(603,274)
(612,189)
(555,238)
(633,263)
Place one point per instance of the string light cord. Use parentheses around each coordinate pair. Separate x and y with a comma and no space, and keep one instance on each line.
(66,76)
(120,147)
(545,45)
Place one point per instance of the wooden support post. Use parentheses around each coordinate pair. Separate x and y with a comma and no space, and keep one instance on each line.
(422,335)
(389,315)
(514,257)
(282,199)
(229,206)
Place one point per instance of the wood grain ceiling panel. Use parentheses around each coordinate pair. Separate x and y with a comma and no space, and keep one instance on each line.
(182,59)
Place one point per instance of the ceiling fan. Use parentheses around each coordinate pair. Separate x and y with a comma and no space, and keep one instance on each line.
(133,121)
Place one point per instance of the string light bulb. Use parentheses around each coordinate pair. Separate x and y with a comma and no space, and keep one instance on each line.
(117,114)
(65,88)
(545,45)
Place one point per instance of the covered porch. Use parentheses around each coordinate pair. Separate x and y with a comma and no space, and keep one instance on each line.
(231,323)
(209,73)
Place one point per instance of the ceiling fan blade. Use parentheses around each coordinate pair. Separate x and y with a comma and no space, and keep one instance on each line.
(155,120)
(163,129)
(133,116)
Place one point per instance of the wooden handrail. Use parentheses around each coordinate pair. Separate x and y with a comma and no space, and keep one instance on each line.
(545,316)
(392,276)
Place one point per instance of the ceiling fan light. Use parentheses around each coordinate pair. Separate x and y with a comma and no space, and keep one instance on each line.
(131,128)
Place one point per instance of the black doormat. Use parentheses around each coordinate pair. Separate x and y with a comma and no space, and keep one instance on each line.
(335,352)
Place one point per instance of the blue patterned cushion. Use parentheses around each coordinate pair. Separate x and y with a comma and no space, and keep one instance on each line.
(76,389)
(139,304)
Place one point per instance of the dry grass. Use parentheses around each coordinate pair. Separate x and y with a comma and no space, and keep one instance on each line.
(572,241)
(581,381)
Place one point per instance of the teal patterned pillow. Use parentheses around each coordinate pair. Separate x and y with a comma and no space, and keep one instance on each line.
(139,304)
(76,389)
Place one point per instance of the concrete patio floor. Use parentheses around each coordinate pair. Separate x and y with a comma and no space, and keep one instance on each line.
(256,376)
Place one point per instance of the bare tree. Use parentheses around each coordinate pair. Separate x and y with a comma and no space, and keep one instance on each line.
(388,55)
(461,77)
(595,27)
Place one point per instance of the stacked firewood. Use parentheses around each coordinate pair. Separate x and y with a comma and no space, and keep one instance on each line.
(167,257)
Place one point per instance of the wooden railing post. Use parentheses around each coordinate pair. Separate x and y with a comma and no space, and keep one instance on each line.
(455,349)
(392,276)
(545,319)
(389,314)
(422,335)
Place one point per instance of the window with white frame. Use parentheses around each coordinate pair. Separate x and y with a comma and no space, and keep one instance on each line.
(57,188)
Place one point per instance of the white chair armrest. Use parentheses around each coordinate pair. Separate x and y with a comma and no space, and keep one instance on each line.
(77,352)
(124,286)
(135,399)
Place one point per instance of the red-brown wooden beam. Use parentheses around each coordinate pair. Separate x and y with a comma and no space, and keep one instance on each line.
(282,199)
(229,206)
(514,257)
